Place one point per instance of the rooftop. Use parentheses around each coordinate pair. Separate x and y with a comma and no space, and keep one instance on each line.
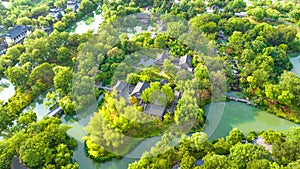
(140,87)
(17,30)
(121,86)
(154,110)
(185,60)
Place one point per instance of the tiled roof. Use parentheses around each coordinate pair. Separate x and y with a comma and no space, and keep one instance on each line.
(154,110)
(140,87)
(17,30)
(121,86)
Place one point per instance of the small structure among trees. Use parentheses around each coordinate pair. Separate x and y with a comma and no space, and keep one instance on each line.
(155,98)
(17,34)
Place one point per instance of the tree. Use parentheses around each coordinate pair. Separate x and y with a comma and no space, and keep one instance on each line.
(241,154)
(69,18)
(175,29)
(196,145)
(60,26)
(160,41)
(64,56)
(259,164)
(63,80)
(168,92)
(187,109)
(295,14)
(17,76)
(287,151)
(235,136)
(38,144)
(67,105)
(25,119)
(214,161)
(187,161)
(236,5)
(169,68)
(273,13)
(86,6)
(60,3)
(258,13)
(42,75)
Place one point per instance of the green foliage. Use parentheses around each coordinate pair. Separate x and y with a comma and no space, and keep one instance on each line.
(187,109)
(47,136)
(270,136)
(241,154)
(258,13)
(214,161)
(235,136)
(158,95)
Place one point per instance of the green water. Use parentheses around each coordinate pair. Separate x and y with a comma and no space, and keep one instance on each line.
(38,106)
(246,118)
(296,65)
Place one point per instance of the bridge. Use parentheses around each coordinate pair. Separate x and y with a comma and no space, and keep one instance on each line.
(104,88)
(57,110)
(243,101)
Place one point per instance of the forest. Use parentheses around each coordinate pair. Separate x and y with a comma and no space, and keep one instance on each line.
(254,51)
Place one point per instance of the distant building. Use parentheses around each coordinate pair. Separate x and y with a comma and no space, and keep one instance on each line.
(74,5)
(185,62)
(121,86)
(48,30)
(56,13)
(139,88)
(175,101)
(17,34)
(3,46)
(160,58)
(144,18)
(3,49)
(240,14)
(124,90)
(155,110)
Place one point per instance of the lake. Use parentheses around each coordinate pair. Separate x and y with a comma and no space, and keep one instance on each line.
(245,118)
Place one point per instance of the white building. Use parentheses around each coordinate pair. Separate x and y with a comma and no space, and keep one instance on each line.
(17,34)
